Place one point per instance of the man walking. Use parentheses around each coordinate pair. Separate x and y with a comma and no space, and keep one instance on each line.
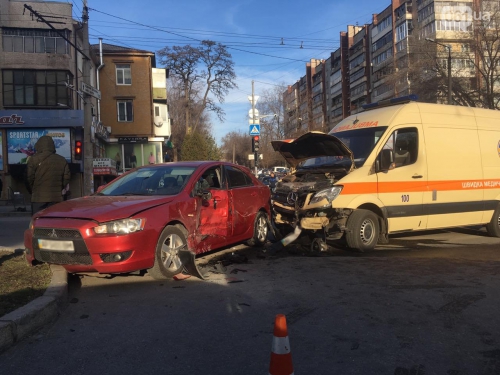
(48,175)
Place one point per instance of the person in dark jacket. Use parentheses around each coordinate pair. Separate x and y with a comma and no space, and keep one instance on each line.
(48,175)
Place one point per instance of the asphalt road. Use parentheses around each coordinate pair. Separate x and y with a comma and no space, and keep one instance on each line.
(421,305)
(12,231)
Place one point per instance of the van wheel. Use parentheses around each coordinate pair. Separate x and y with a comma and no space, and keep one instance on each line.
(260,230)
(362,230)
(167,261)
(493,227)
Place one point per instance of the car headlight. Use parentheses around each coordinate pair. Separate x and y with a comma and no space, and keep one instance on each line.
(329,194)
(124,226)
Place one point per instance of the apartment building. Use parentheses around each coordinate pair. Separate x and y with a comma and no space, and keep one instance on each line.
(41,71)
(359,69)
(318,105)
(291,109)
(382,55)
(378,61)
(134,104)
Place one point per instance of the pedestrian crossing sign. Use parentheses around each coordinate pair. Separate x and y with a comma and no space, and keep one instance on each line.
(254,129)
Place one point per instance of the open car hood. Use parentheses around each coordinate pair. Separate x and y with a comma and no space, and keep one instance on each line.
(311,145)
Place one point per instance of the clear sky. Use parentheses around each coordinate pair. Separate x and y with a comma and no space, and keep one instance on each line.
(253,30)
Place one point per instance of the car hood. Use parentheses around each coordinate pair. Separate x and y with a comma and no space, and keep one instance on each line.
(311,145)
(103,208)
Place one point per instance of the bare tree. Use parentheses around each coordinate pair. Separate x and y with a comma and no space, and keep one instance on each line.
(236,146)
(208,70)
(177,113)
(270,108)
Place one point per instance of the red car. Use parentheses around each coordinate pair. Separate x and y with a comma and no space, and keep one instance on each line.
(154,218)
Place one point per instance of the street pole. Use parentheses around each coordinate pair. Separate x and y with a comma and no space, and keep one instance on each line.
(88,146)
(449,75)
(256,153)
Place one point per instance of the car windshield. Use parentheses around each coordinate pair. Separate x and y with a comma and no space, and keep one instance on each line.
(165,180)
(360,141)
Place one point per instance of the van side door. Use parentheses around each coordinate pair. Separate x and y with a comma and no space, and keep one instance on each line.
(402,179)
(454,157)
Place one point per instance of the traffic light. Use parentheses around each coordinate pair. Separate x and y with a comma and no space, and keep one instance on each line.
(255,143)
(78,150)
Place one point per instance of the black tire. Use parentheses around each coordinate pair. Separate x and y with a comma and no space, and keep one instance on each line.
(167,262)
(362,230)
(260,230)
(493,227)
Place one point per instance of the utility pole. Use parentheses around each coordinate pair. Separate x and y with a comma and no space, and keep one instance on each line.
(88,145)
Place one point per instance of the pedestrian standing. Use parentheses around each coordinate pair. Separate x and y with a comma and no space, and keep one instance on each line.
(151,158)
(166,157)
(118,160)
(48,175)
(133,160)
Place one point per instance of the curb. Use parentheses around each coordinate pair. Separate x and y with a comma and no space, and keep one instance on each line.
(26,320)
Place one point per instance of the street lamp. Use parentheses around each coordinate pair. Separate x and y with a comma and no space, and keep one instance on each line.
(449,65)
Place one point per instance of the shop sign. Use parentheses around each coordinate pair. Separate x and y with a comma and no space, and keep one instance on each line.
(103,162)
(132,139)
(105,171)
(100,130)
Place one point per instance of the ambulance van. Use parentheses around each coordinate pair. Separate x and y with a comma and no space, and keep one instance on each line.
(393,168)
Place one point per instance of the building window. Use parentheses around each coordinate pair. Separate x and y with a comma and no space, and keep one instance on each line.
(386,22)
(123,74)
(35,41)
(125,111)
(35,88)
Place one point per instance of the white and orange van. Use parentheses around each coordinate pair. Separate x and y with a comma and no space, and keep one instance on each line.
(394,168)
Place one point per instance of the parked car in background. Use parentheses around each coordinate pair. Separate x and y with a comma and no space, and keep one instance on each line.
(154,218)
(280,170)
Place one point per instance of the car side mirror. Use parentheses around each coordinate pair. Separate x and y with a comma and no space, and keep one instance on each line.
(201,189)
(384,161)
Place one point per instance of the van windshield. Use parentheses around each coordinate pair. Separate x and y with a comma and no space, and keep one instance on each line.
(360,141)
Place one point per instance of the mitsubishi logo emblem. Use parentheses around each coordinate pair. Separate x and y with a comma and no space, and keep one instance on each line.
(292,198)
(53,234)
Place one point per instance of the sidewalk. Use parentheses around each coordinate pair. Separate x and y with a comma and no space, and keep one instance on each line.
(28,319)
(8,209)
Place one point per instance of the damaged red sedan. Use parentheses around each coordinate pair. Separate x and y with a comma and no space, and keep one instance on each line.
(154,218)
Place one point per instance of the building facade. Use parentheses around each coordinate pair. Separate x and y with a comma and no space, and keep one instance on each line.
(41,71)
(133,106)
(405,50)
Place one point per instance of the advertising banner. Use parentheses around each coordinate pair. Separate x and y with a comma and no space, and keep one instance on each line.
(21,143)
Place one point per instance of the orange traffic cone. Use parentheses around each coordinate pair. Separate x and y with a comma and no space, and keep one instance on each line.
(281,358)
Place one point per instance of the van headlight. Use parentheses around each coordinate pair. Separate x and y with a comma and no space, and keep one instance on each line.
(329,194)
(124,226)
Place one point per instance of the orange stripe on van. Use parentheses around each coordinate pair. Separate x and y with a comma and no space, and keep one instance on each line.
(414,186)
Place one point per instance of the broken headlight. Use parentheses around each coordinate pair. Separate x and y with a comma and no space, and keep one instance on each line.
(125,226)
(329,194)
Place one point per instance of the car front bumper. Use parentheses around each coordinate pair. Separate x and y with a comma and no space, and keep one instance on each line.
(73,244)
